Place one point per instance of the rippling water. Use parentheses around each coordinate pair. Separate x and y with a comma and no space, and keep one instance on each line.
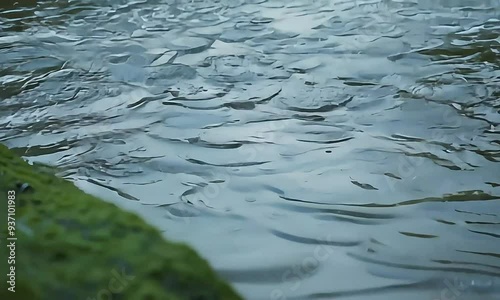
(308,149)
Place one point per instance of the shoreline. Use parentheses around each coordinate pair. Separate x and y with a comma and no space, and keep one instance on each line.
(71,244)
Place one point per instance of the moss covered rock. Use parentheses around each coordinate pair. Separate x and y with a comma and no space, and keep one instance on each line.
(71,245)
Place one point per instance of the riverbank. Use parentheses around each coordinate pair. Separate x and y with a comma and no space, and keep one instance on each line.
(65,244)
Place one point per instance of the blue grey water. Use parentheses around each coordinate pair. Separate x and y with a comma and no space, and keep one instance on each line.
(307,149)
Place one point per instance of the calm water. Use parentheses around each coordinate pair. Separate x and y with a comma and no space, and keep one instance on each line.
(308,149)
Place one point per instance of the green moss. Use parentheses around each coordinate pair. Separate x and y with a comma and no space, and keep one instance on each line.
(71,245)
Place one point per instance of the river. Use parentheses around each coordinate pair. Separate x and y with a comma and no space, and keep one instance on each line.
(307,149)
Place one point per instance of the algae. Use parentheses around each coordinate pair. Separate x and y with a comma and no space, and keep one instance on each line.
(71,245)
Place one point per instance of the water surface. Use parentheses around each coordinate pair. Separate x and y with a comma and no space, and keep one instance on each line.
(308,149)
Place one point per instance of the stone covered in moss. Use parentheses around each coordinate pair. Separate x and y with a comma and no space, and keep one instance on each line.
(71,245)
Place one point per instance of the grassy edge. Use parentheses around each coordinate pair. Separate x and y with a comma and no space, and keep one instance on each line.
(71,245)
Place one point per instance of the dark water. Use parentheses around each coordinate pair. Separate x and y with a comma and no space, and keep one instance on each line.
(308,149)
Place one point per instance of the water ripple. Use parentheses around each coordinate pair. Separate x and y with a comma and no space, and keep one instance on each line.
(355,140)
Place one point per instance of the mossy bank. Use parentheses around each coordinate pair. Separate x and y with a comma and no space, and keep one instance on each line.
(71,245)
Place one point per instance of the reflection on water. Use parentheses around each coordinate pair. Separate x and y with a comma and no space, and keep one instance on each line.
(308,149)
